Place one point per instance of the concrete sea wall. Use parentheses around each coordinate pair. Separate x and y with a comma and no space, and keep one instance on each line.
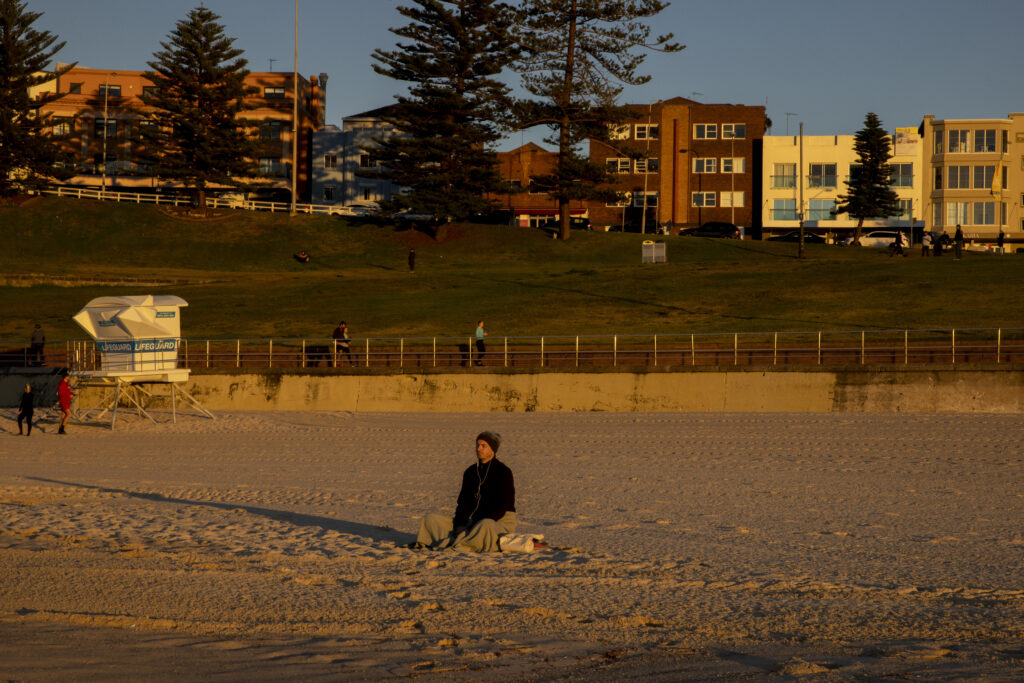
(952,389)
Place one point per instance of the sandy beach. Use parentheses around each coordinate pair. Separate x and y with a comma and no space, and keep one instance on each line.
(271,545)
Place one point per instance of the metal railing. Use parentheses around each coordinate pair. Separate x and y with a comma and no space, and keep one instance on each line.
(759,349)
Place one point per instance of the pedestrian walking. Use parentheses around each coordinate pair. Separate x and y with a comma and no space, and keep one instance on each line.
(342,342)
(412,260)
(64,395)
(25,409)
(1001,241)
(926,244)
(958,242)
(37,344)
(481,348)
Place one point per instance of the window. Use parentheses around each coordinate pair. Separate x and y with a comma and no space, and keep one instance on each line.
(367,160)
(617,164)
(150,91)
(704,199)
(647,131)
(271,166)
(821,210)
(271,130)
(638,199)
(62,125)
(957,213)
(734,165)
(705,131)
(533,188)
(618,132)
(647,165)
(937,214)
(784,175)
(902,175)
(985,140)
(938,178)
(906,206)
(734,131)
(959,177)
(938,142)
(368,193)
(784,210)
(708,165)
(983,177)
(821,175)
(328,193)
(273,93)
(330,161)
(984,213)
(730,199)
(110,128)
(75,89)
(958,141)
(516,185)
(109,90)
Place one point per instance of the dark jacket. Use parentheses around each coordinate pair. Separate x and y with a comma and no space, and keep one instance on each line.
(25,407)
(497,493)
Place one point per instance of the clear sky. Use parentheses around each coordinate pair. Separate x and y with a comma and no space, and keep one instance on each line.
(825,61)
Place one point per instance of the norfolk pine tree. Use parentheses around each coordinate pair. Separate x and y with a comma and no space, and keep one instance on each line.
(26,149)
(442,155)
(869,192)
(578,56)
(199,81)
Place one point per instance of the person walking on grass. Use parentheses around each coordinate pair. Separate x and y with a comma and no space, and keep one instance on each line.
(25,409)
(484,511)
(64,395)
(481,348)
(958,242)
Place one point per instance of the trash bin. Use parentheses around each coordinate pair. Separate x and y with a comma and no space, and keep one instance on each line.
(653,252)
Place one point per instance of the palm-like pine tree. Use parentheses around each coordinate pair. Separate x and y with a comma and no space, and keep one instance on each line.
(578,56)
(869,192)
(26,149)
(443,155)
(200,89)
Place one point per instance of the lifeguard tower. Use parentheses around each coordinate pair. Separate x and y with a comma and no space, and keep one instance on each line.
(137,339)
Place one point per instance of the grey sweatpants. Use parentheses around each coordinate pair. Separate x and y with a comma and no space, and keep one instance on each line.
(482,537)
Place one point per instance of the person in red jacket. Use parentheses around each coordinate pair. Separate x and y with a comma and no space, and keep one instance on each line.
(64,395)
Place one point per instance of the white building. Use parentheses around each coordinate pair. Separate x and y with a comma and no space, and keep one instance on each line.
(827,160)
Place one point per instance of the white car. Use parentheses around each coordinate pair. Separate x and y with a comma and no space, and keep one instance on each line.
(880,238)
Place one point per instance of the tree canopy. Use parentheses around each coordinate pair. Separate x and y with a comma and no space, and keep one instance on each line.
(578,55)
(869,192)
(26,148)
(199,80)
(442,154)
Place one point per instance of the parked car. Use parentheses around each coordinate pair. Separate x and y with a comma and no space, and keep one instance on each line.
(575,223)
(880,238)
(360,209)
(713,229)
(794,236)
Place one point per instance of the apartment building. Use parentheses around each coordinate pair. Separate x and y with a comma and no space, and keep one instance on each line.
(528,205)
(689,163)
(976,176)
(100,114)
(792,189)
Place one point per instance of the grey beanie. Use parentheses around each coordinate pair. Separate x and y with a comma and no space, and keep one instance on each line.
(493,439)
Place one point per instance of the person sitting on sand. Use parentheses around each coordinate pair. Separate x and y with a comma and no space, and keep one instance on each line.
(485,509)
(301,257)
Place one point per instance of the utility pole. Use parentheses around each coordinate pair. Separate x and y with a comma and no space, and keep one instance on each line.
(295,113)
(800,181)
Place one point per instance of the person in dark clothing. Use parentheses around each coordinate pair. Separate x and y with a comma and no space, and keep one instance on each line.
(412,260)
(1001,241)
(342,342)
(25,409)
(485,509)
(36,348)
(958,242)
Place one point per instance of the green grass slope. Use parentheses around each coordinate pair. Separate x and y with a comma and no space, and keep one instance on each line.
(238,276)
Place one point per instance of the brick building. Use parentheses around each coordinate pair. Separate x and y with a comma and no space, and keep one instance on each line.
(99,115)
(694,162)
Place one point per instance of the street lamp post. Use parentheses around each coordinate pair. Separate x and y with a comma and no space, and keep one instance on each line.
(106,126)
